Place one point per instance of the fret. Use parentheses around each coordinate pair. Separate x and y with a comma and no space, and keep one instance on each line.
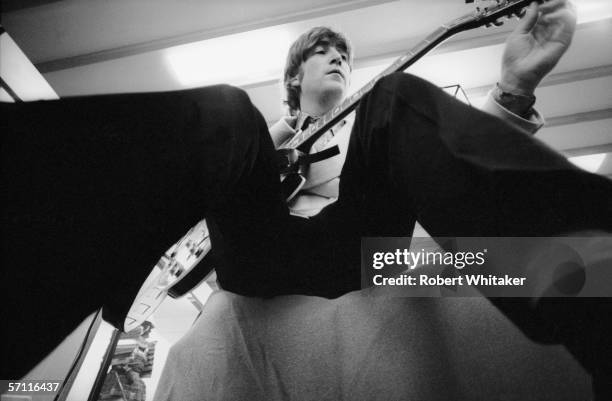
(324,118)
(392,68)
(299,138)
(436,35)
(420,47)
(295,140)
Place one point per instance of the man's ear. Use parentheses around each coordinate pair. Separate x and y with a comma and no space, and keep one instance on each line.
(295,81)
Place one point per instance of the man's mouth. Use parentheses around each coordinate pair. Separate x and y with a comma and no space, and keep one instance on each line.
(336,72)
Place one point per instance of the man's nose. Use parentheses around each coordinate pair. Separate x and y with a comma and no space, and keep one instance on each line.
(336,56)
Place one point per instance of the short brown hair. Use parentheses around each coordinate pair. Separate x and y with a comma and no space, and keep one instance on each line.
(301,50)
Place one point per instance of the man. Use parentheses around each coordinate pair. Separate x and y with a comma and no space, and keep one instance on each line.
(458,174)
(106,204)
(325,250)
(316,79)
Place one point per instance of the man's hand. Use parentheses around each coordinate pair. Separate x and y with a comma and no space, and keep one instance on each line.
(536,45)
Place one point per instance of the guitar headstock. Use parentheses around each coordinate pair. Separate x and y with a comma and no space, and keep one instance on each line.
(490,13)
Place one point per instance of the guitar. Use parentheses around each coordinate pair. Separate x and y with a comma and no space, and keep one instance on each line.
(176,273)
(293,157)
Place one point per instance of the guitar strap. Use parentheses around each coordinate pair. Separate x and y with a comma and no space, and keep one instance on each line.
(318,156)
(309,158)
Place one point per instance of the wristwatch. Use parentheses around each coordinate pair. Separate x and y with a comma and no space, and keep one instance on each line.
(516,103)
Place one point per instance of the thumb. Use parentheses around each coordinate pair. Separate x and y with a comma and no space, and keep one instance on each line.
(529,20)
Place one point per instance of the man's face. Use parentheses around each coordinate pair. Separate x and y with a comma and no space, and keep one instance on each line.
(325,74)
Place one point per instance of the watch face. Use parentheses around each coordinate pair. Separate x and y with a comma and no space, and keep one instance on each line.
(517,103)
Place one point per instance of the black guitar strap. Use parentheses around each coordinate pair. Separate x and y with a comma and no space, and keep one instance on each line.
(307,144)
(317,157)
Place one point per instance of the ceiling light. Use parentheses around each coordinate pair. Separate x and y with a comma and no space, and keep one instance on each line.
(238,59)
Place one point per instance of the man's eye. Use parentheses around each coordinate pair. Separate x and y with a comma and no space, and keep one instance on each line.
(320,51)
(344,57)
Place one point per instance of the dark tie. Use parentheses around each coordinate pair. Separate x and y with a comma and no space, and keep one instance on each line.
(307,121)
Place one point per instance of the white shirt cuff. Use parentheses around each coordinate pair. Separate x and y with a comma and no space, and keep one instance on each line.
(531,125)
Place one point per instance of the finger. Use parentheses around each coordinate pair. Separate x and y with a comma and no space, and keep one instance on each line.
(529,20)
(559,15)
(564,8)
(553,5)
